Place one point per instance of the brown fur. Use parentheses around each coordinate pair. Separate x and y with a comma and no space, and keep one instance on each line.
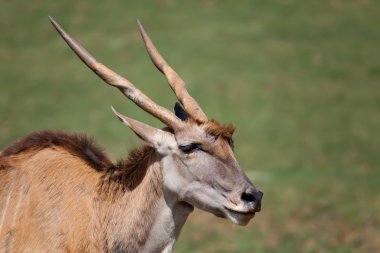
(76,144)
(125,175)
(128,173)
(75,179)
(79,185)
(213,127)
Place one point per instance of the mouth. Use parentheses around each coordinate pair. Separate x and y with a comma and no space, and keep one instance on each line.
(248,213)
(239,217)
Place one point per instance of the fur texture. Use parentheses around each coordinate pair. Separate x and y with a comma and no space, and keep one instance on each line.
(213,127)
(61,192)
(58,192)
(76,144)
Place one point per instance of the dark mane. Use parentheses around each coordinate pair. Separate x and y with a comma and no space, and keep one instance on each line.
(129,173)
(78,145)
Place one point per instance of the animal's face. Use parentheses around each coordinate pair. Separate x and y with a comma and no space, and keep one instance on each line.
(198,161)
(201,170)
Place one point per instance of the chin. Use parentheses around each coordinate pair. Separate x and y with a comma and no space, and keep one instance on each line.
(239,219)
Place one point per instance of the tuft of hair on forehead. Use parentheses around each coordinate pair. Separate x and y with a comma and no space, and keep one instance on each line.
(213,127)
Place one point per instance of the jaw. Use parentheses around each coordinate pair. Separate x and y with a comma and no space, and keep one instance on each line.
(210,201)
(239,218)
(239,214)
(202,196)
(219,206)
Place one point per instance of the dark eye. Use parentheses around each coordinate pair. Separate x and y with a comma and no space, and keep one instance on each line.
(187,149)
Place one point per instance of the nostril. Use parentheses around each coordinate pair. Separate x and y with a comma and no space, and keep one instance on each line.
(249,197)
(253,197)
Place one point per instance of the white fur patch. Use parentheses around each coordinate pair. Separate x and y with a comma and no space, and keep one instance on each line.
(167,225)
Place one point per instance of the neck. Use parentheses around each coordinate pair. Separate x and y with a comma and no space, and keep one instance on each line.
(141,216)
(171,216)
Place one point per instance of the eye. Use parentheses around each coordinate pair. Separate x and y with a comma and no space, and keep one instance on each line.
(187,149)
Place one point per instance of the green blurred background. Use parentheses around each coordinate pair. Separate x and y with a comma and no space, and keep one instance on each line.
(299,79)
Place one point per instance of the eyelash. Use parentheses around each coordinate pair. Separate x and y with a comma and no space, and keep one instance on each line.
(187,149)
(190,148)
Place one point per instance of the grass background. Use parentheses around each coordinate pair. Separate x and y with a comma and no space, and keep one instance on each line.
(299,79)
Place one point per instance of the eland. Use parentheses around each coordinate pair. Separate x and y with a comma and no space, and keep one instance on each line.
(59,192)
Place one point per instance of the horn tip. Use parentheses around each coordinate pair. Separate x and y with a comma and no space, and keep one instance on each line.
(141,28)
(55,24)
(122,118)
(116,113)
(52,20)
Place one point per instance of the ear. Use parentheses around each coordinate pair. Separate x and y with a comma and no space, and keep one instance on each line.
(164,142)
(180,112)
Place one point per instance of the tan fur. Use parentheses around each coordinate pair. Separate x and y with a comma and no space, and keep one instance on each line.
(60,193)
(51,199)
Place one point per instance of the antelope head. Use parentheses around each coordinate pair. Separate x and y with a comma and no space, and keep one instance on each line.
(199,166)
